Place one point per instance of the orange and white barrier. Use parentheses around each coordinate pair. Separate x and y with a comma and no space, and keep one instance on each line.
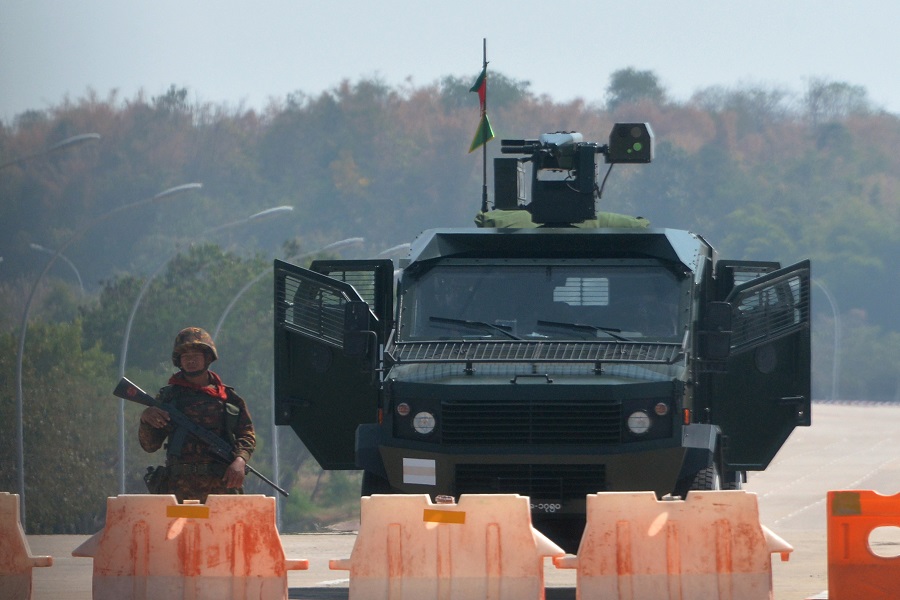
(16,560)
(154,548)
(854,570)
(709,546)
(483,547)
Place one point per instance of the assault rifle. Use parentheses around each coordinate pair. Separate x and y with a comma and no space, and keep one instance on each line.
(222,449)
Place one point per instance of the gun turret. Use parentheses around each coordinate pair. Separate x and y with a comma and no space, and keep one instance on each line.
(564,171)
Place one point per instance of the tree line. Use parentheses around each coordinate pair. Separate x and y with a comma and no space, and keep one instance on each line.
(759,172)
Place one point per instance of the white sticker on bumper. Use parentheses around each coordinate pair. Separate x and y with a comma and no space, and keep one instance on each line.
(421,471)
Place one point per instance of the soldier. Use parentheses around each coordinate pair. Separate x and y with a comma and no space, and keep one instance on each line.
(193,472)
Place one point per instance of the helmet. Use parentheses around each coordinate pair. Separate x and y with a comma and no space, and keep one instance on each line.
(192,338)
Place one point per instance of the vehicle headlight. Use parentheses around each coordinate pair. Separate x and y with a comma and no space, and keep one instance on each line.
(638,422)
(424,422)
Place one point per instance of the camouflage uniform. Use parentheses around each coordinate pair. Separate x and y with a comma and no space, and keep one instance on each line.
(194,471)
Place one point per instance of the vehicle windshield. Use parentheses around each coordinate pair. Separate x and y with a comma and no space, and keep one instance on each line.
(535,302)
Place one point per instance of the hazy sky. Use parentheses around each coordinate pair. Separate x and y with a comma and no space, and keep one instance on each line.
(246,52)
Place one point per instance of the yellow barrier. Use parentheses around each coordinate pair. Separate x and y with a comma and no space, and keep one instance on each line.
(707,547)
(16,560)
(154,548)
(854,571)
(483,547)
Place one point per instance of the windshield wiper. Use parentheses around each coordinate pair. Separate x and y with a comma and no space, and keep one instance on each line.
(610,331)
(477,324)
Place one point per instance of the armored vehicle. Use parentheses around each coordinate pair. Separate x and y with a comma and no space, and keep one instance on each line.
(552,352)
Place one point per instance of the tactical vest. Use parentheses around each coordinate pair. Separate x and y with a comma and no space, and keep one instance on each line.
(230,414)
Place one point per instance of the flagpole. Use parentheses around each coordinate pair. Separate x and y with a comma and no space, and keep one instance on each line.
(484,194)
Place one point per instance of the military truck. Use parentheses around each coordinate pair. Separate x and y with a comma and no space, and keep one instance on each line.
(552,351)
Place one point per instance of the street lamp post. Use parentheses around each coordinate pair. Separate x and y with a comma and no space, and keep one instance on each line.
(66,143)
(393,250)
(65,258)
(23,329)
(123,355)
(836,343)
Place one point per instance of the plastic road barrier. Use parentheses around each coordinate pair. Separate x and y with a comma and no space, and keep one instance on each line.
(483,547)
(154,548)
(854,571)
(16,560)
(709,546)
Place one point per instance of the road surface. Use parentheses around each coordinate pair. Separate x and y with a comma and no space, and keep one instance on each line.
(849,446)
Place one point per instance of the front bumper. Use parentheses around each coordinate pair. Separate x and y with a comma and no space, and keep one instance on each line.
(556,479)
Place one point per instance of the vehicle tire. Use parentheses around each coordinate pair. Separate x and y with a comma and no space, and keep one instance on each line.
(733,480)
(374,484)
(707,479)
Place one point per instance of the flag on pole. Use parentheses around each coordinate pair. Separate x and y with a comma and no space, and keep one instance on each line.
(481,86)
(484,133)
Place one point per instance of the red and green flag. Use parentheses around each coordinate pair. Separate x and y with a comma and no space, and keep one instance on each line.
(481,86)
(484,133)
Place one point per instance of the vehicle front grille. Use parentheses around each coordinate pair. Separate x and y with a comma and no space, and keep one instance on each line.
(514,422)
(540,482)
(485,351)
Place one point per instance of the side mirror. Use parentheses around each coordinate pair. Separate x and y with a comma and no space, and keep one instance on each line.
(718,316)
(359,339)
(715,337)
(356,316)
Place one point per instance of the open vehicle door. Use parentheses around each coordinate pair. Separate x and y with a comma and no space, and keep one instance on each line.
(329,330)
(765,391)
